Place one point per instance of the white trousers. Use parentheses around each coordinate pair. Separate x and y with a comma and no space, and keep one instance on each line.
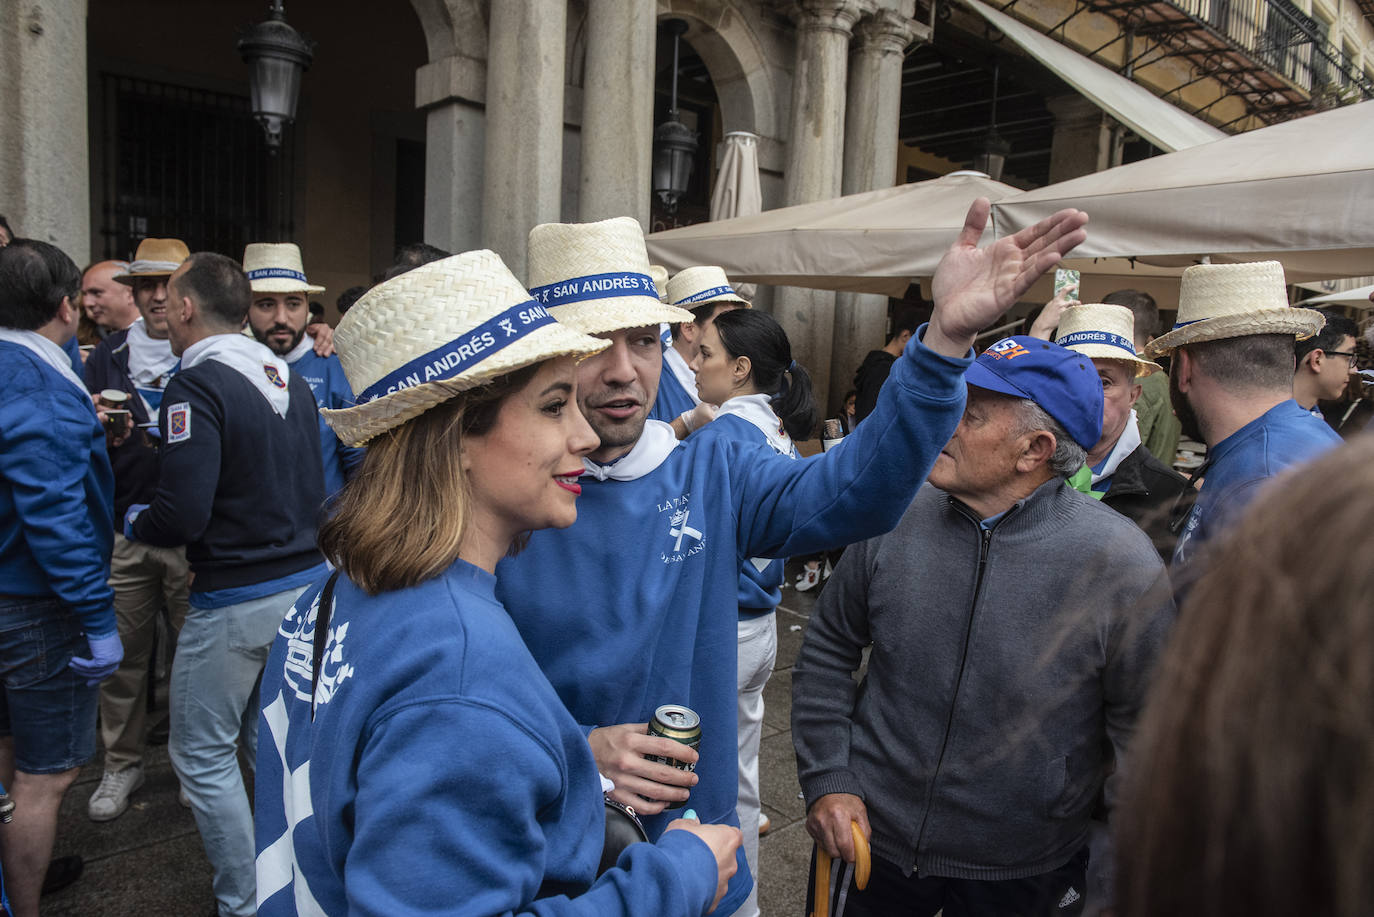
(758,648)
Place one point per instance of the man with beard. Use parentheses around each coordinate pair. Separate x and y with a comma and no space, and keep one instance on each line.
(1231,384)
(147,579)
(278,318)
(635,606)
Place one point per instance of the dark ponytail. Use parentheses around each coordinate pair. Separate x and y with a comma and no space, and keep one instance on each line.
(758,336)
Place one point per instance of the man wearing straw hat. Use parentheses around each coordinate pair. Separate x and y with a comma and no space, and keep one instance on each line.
(278,318)
(1231,382)
(664,525)
(240,485)
(147,579)
(1120,471)
(705,293)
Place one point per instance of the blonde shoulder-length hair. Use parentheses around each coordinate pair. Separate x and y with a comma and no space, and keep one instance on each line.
(401,519)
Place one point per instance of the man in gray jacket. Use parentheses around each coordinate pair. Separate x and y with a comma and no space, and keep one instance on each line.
(1013,623)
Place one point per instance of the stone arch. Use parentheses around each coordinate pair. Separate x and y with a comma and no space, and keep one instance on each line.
(735,59)
(453,27)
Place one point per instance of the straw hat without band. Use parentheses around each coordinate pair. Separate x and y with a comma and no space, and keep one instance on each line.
(275,267)
(1103,332)
(434,332)
(693,287)
(595,276)
(1218,301)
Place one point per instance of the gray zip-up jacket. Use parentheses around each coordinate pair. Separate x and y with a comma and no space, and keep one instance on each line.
(1008,667)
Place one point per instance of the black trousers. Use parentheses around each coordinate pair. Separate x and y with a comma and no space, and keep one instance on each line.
(1058,893)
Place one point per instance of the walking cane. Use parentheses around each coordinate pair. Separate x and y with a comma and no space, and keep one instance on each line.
(826,872)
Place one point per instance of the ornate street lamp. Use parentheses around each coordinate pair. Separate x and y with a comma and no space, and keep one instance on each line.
(992,158)
(675,144)
(278,55)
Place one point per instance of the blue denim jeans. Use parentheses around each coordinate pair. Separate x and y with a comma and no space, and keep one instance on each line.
(214,708)
(47,707)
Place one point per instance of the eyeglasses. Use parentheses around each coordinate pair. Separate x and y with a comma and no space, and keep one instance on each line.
(1348,354)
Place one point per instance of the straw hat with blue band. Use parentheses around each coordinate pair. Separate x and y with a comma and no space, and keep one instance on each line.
(693,287)
(436,331)
(1218,301)
(595,277)
(1103,332)
(1062,382)
(275,267)
(154,258)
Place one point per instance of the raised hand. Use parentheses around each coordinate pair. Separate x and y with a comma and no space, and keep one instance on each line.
(973,286)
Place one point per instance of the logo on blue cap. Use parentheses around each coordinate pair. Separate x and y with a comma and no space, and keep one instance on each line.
(1062,382)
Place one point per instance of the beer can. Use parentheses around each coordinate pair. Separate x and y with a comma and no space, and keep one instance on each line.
(681,724)
(831,433)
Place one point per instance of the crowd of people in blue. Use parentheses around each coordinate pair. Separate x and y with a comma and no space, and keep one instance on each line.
(431,573)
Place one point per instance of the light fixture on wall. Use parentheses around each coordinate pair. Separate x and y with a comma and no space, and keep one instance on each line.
(675,144)
(992,158)
(278,55)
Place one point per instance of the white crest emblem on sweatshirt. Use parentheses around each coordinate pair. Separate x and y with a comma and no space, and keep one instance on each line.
(299,629)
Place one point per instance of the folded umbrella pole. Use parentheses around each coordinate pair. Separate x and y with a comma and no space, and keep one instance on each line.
(827,877)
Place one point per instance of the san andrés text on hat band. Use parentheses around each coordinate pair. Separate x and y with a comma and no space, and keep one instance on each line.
(460,354)
(595,286)
(1097,337)
(707,294)
(272,273)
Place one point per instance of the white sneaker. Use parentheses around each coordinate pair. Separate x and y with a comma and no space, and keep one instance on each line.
(183,798)
(111,798)
(810,578)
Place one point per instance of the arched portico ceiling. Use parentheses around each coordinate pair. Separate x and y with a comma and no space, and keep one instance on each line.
(453,27)
(734,56)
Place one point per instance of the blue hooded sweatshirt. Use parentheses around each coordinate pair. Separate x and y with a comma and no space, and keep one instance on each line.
(440,773)
(331,390)
(634,605)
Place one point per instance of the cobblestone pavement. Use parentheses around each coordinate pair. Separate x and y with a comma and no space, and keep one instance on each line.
(150,860)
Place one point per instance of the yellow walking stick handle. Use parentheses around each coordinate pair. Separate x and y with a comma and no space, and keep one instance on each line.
(863,865)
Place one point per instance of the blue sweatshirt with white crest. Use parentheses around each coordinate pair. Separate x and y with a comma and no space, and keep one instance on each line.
(635,605)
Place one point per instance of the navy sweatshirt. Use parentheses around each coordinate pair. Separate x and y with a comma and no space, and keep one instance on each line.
(238,485)
(134,462)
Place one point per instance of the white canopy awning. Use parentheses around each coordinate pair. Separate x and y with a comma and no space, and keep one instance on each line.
(1300,192)
(1151,117)
(1358,297)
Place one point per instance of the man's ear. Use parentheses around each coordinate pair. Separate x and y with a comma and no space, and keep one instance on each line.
(1039,449)
(689,332)
(1183,368)
(1313,360)
(67,312)
(1136,389)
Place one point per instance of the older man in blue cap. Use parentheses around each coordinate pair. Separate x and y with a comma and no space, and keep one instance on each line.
(1013,623)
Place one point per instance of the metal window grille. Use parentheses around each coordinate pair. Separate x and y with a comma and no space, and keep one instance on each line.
(189,164)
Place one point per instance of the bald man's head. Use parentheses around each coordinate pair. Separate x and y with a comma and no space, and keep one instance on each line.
(108,303)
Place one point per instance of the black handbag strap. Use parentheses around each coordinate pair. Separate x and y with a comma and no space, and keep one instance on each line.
(321,636)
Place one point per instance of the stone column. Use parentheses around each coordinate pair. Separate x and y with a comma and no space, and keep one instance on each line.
(1082,141)
(45,185)
(524,123)
(815,152)
(450,91)
(870,162)
(618,110)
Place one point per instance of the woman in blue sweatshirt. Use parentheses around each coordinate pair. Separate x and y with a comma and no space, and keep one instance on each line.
(745,365)
(419,762)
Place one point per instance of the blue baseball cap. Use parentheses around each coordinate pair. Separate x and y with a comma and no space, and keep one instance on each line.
(1063,383)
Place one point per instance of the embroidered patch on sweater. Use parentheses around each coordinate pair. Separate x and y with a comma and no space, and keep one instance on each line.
(179,422)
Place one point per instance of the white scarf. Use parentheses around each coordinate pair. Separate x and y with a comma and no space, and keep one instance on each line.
(249,359)
(149,358)
(655,443)
(758,410)
(673,362)
(48,352)
(1126,443)
(307,344)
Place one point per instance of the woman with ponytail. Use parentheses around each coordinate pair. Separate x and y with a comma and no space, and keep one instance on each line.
(746,366)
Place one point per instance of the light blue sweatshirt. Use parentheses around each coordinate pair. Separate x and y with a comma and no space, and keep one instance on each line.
(331,390)
(440,773)
(634,606)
